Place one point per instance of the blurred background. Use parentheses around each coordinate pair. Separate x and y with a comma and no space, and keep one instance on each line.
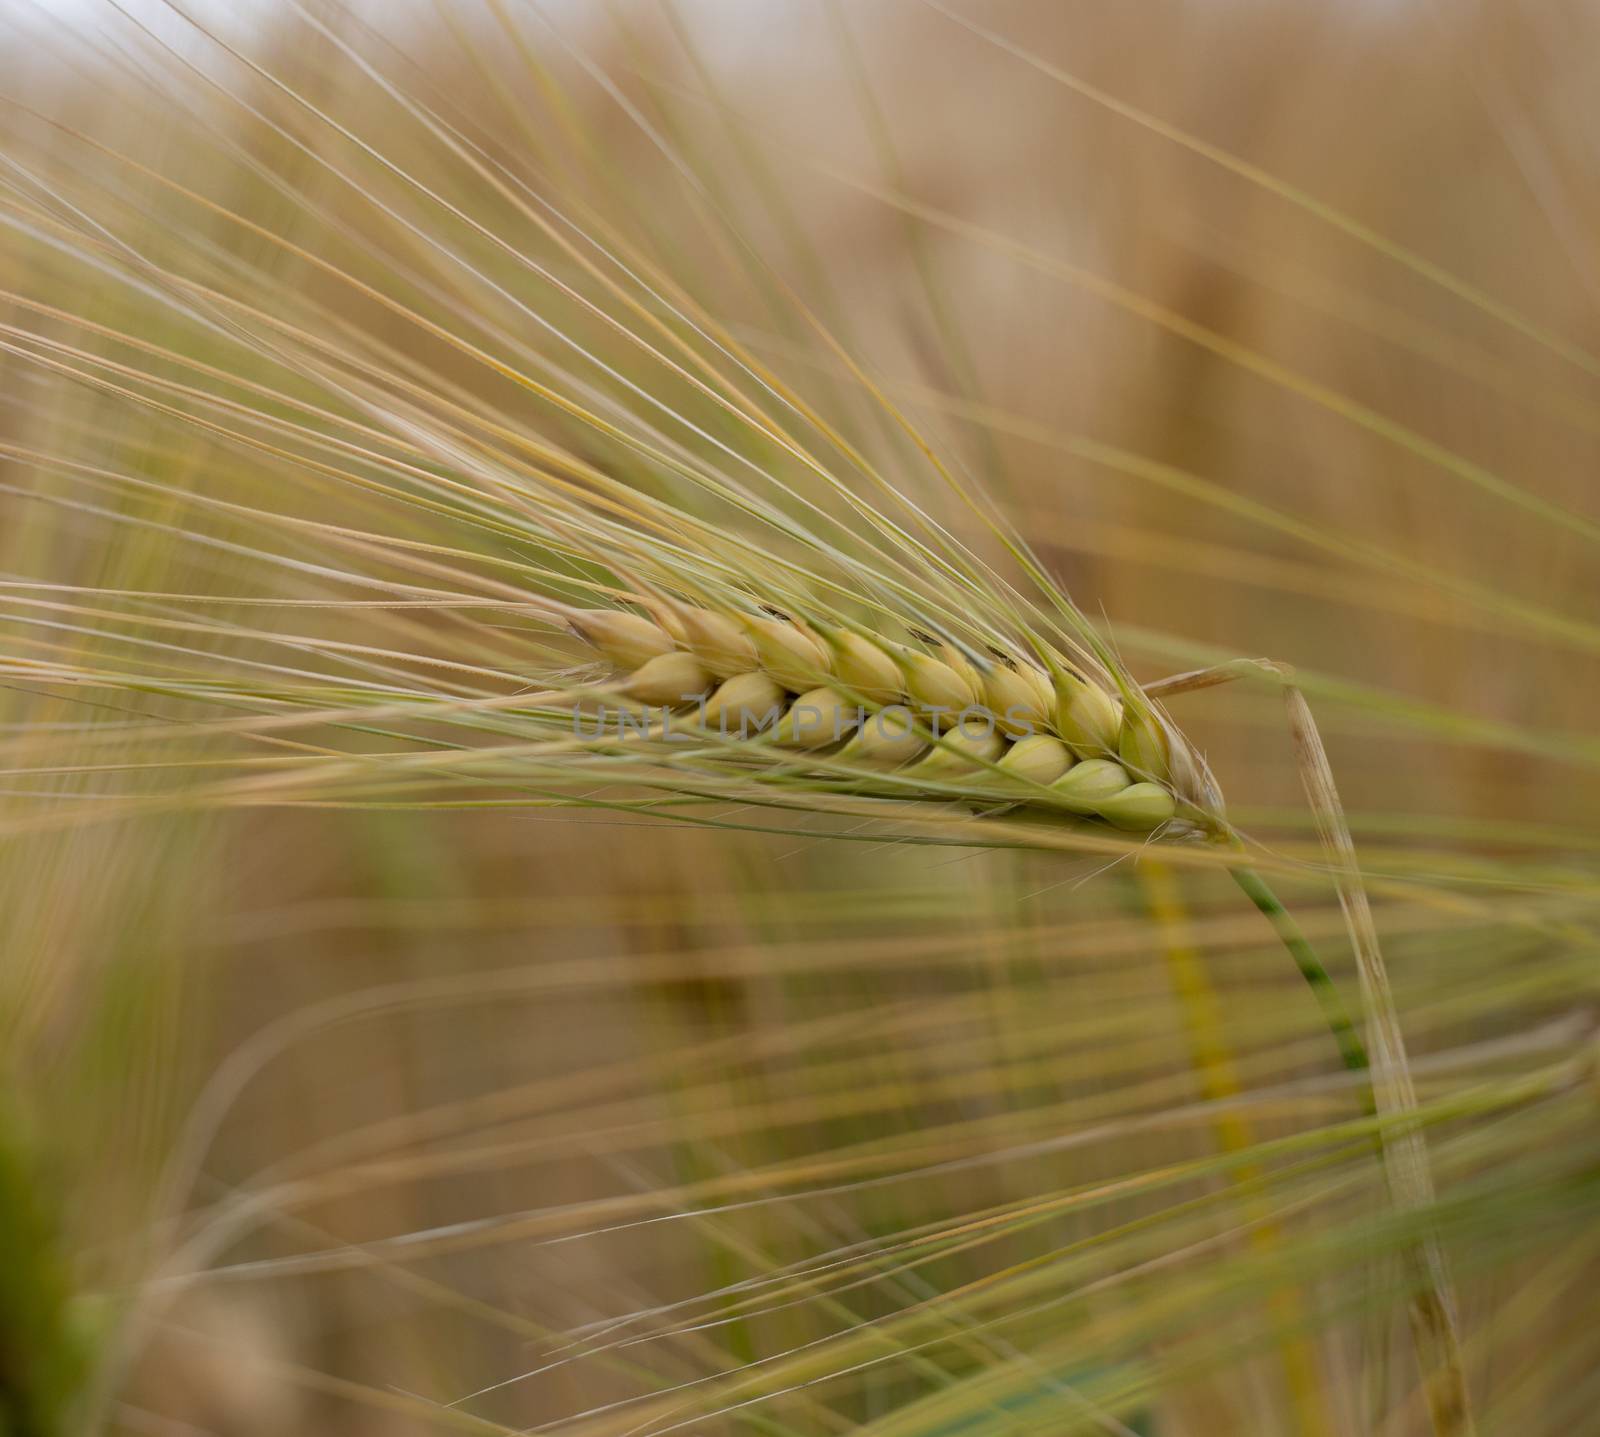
(1271,325)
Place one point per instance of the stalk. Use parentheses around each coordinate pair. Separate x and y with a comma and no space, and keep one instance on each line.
(1352,1051)
(1431,1311)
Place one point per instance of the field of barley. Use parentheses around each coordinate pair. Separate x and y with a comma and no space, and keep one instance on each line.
(774,718)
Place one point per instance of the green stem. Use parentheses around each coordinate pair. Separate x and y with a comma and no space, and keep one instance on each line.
(1351,1049)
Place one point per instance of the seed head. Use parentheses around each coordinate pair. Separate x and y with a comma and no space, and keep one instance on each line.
(1015,700)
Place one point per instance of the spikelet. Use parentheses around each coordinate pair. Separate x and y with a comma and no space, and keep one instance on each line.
(668,679)
(1139,808)
(934,686)
(818,718)
(1086,785)
(788,653)
(1156,750)
(961,753)
(744,705)
(1144,747)
(628,640)
(1019,706)
(1087,717)
(885,739)
(1041,759)
(1040,682)
(865,668)
(719,642)
(955,659)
